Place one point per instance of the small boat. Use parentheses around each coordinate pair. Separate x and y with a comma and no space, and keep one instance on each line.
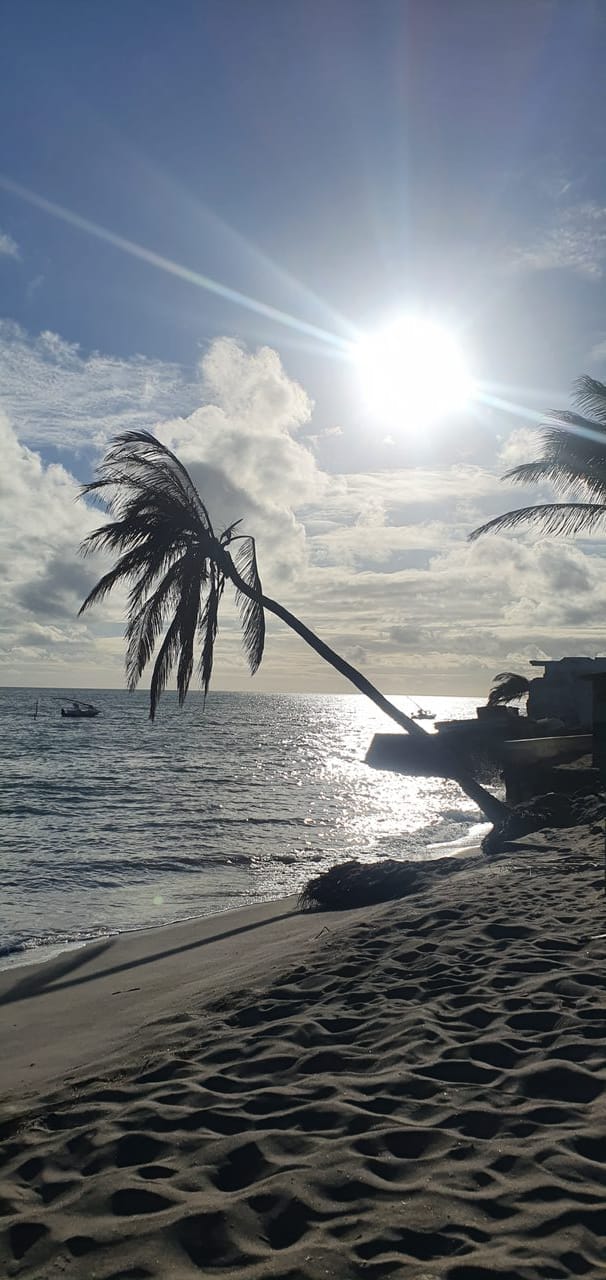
(422,713)
(80,711)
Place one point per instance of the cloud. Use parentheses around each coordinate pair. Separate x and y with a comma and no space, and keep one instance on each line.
(8,247)
(243,453)
(479,607)
(55,394)
(364,545)
(253,388)
(533,582)
(523,445)
(597,354)
(33,286)
(240,415)
(58,590)
(377,563)
(42,579)
(575,240)
(408,637)
(415,485)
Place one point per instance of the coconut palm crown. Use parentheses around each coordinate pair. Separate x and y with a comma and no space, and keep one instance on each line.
(506,687)
(573,461)
(176,562)
(178,568)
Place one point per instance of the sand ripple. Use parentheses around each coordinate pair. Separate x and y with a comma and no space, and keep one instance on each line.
(426,1098)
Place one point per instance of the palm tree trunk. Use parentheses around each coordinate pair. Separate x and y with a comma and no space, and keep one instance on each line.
(494,809)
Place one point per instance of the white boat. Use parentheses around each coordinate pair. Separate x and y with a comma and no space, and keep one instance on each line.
(80,711)
(422,713)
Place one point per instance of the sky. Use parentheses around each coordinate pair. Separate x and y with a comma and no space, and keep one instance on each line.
(205,207)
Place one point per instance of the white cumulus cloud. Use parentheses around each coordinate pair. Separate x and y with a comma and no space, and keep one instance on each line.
(42,578)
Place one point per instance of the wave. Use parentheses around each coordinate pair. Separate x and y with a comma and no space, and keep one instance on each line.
(125,825)
(105,872)
(263,822)
(45,942)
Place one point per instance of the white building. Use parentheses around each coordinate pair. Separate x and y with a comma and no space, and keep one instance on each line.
(562,692)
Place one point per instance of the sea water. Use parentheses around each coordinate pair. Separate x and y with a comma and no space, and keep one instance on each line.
(116,823)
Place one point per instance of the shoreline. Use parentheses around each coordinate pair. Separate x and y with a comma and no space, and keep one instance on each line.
(45,1007)
(32,956)
(46,953)
(413,1089)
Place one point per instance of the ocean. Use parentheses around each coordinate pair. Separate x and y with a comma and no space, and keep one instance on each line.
(116,824)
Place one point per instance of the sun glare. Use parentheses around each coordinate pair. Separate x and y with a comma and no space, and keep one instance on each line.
(413,372)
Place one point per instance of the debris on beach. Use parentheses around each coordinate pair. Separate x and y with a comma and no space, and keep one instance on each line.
(556,809)
(363,884)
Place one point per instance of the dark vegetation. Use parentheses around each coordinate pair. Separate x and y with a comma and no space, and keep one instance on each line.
(507,687)
(364,884)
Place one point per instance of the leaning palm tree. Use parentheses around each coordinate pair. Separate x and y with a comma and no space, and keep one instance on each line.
(179,567)
(507,687)
(573,461)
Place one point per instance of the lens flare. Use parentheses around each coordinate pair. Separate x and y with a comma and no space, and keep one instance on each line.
(413,372)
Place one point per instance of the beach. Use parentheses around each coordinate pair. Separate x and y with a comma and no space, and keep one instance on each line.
(413,1090)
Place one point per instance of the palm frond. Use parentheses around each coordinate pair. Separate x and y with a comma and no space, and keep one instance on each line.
(590,396)
(141,514)
(127,566)
(552,518)
(160,555)
(251,610)
(176,566)
(568,430)
(189,616)
(507,687)
(227,535)
(208,626)
(146,624)
(164,664)
(567,476)
(136,460)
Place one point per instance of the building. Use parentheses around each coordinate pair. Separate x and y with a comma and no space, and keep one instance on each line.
(564,691)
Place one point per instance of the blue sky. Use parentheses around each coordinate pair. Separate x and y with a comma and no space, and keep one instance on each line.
(337,163)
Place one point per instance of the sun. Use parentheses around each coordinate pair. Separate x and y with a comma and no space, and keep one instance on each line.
(413,372)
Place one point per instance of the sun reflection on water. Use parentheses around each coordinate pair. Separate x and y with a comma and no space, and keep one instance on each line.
(204,811)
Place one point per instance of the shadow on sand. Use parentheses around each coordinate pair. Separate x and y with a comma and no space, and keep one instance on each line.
(45,979)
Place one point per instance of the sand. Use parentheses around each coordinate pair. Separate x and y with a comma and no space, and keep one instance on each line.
(417,1090)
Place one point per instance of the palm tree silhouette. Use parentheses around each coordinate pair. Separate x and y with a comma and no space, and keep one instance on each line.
(574,462)
(507,686)
(179,567)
